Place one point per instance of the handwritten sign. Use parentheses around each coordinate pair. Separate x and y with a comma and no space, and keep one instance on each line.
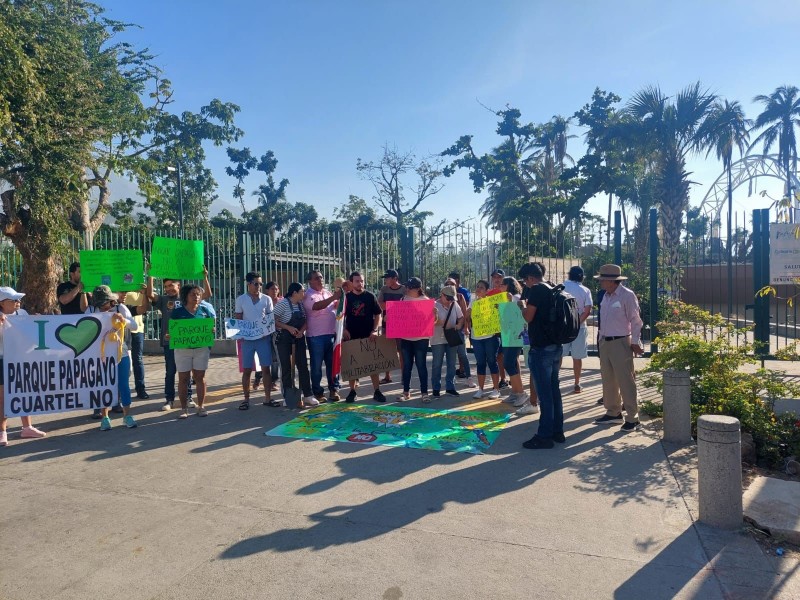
(191,333)
(121,270)
(177,259)
(409,319)
(368,356)
(486,316)
(512,325)
(237,329)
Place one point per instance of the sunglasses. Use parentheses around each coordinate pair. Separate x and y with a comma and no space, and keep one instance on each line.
(256,283)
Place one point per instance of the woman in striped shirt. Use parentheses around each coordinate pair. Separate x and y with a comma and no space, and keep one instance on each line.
(290,325)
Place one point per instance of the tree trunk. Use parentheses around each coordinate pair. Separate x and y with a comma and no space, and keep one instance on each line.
(41,274)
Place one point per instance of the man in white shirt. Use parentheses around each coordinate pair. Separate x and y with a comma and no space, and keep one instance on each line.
(254,306)
(579,348)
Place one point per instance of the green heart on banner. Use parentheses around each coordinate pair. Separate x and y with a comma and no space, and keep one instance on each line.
(79,336)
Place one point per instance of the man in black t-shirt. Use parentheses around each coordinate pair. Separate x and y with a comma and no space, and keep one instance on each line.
(544,358)
(362,318)
(71,298)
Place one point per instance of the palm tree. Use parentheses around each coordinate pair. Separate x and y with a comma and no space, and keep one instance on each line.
(727,128)
(780,116)
(674,128)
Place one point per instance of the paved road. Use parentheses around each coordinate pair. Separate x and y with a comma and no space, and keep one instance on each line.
(211,508)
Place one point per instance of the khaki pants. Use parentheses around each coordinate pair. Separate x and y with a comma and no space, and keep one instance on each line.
(618,375)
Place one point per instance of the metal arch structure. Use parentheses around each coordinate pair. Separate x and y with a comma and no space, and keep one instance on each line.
(742,171)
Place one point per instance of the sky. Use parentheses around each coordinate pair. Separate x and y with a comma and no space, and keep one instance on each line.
(323,83)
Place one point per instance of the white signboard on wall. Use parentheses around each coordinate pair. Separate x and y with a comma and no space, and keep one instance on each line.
(784,253)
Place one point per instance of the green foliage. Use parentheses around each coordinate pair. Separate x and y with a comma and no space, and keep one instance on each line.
(716,353)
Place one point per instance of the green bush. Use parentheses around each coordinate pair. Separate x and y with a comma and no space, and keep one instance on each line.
(714,352)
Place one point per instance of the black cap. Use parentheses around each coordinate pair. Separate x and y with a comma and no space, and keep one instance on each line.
(391,273)
(498,272)
(415,283)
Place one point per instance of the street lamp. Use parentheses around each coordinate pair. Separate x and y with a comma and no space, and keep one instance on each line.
(177,169)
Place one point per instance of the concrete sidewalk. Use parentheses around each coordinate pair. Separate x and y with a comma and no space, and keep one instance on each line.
(212,508)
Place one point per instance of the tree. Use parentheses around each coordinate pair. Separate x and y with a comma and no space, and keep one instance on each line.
(357,214)
(779,118)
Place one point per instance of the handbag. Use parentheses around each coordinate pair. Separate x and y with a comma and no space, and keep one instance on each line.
(452,336)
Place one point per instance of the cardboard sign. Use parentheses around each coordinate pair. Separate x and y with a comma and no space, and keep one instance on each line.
(177,259)
(191,333)
(59,363)
(409,319)
(512,325)
(486,316)
(368,357)
(237,329)
(121,270)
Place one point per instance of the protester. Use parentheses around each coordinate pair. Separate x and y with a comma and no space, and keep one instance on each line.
(464,370)
(72,300)
(272,290)
(138,304)
(415,349)
(254,306)
(485,349)
(362,319)
(321,305)
(517,397)
(104,300)
(448,316)
(499,288)
(192,362)
(166,303)
(290,325)
(10,306)
(620,339)
(579,347)
(391,291)
(544,359)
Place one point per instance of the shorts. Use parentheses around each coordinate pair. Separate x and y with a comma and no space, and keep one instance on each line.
(262,346)
(578,348)
(191,359)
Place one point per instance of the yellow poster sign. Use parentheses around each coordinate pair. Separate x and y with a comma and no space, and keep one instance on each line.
(486,315)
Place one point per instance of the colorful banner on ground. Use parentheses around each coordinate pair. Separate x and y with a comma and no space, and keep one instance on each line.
(446,430)
(486,316)
(121,270)
(176,259)
(58,363)
(512,325)
(409,319)
(784,253)
(191,333)
(237,329)
(368,356)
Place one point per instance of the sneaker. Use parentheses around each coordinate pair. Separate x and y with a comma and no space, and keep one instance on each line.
(522,399)
(608,420)
(192,404)
(351,397)
(559,437)
(503,384)
(143,395)
(527,409)
(626,427)
(378,396)
(510,399)
(129,421)
(478,395)
(166,406)
(471,382)
(493,395)
(452,392)
(310,401)
(334,397)
(537,443)
(3,438)
(436,393)
(32,432)
(460,373)
(105,424)
(320,397)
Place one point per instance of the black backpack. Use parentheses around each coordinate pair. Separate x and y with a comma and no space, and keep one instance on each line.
(561,321)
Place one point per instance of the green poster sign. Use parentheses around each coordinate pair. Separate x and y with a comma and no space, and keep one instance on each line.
(191,333)
(121,270)
(177,259)
(512,324)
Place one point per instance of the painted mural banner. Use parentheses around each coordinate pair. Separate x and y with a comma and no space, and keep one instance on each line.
(59,363)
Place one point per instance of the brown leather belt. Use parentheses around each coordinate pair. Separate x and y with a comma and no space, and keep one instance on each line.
(611,338)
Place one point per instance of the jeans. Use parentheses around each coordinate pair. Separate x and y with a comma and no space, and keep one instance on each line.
(137,360)
(486,354)
(416,350)
(440,351)
(169,378)
(286,346)
(320,347)
(123,381)
(462,356)
(544,363)
(510,362)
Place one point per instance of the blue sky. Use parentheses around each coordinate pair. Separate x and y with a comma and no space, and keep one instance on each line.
(323,83)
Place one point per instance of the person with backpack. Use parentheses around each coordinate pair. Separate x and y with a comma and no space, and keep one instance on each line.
(579,348)
(620,339)
(552,318)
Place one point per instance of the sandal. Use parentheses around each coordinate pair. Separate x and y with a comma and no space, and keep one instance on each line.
(202,412)
(274,403)
(386,380)
(244,405)
(577,389)
(184,414)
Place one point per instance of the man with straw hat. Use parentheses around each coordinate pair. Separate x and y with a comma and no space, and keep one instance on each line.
(619,339)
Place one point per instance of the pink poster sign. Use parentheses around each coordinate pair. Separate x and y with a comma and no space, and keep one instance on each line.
(409,319)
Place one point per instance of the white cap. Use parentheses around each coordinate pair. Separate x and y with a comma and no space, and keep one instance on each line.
(9,293)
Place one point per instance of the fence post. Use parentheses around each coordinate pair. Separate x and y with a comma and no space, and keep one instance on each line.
(411,268)
(760,279)
(245,253)
(618,237)
(719,471)
(653,278)
(677,407)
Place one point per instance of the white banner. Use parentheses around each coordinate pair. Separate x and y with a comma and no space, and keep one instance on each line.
(236,329)
(784,253)
(53,363)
